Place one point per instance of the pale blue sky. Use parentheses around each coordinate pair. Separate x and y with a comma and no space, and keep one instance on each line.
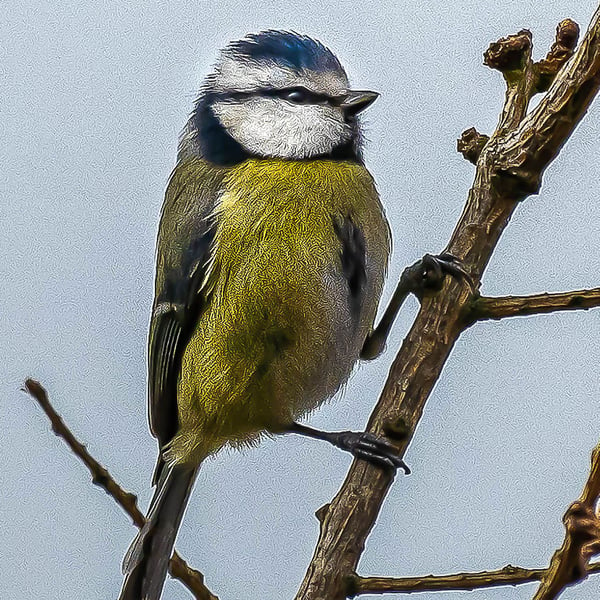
(95,94)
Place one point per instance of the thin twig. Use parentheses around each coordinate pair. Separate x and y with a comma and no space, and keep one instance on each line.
(178,568)
(484,308)
(582,537)
(508,575)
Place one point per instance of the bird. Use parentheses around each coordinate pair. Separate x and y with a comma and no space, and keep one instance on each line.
(272,251)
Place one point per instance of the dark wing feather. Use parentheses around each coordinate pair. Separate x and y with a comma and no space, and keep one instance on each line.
(163,372)
(352,257)
(184,244)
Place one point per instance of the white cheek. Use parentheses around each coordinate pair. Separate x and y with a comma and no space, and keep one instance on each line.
(276,128)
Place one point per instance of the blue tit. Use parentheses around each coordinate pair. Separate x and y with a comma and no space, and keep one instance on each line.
(271,257)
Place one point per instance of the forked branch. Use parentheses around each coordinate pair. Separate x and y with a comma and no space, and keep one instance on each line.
(580,526)
(570,564)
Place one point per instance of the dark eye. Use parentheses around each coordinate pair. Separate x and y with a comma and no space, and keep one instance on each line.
(297,96)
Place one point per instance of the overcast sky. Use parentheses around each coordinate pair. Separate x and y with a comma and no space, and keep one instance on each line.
(94,95)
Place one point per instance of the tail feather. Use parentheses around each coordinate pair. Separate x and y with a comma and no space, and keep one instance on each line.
(146,562)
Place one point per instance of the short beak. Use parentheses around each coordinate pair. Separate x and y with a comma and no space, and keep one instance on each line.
(356,101)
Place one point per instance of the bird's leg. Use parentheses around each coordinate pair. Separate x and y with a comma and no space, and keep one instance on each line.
(364,445)
(426,274)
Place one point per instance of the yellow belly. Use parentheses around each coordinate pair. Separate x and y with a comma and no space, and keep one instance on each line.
(277,337)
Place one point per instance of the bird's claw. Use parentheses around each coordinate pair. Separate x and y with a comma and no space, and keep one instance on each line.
(429,272)
(373,449)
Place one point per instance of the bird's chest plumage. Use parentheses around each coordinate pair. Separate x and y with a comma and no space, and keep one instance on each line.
(284,219)
(282,319)
(279,217)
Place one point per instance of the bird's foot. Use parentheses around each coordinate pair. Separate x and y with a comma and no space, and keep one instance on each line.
(364,445)
(428,273)
(369,447)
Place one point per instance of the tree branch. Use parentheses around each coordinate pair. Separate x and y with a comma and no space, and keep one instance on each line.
(529,149)
(569,564)
(512,57)
(508,575)
(508,169)
(484,308)
(582,539)
(178,568)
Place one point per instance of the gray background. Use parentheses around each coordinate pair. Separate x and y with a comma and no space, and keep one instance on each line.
(94,95)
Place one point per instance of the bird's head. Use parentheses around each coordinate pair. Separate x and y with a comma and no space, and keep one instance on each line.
(276,94)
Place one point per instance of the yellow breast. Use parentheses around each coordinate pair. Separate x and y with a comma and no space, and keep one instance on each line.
(282,211)
(276,338)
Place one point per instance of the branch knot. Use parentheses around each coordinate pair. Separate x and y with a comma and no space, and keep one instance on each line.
(567,35)
(471,143)
(509,53)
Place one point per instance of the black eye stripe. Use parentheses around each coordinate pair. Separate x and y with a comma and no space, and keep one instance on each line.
(302,95)
(299,95)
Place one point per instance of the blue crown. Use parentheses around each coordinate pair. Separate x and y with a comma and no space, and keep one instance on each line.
(294,50)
